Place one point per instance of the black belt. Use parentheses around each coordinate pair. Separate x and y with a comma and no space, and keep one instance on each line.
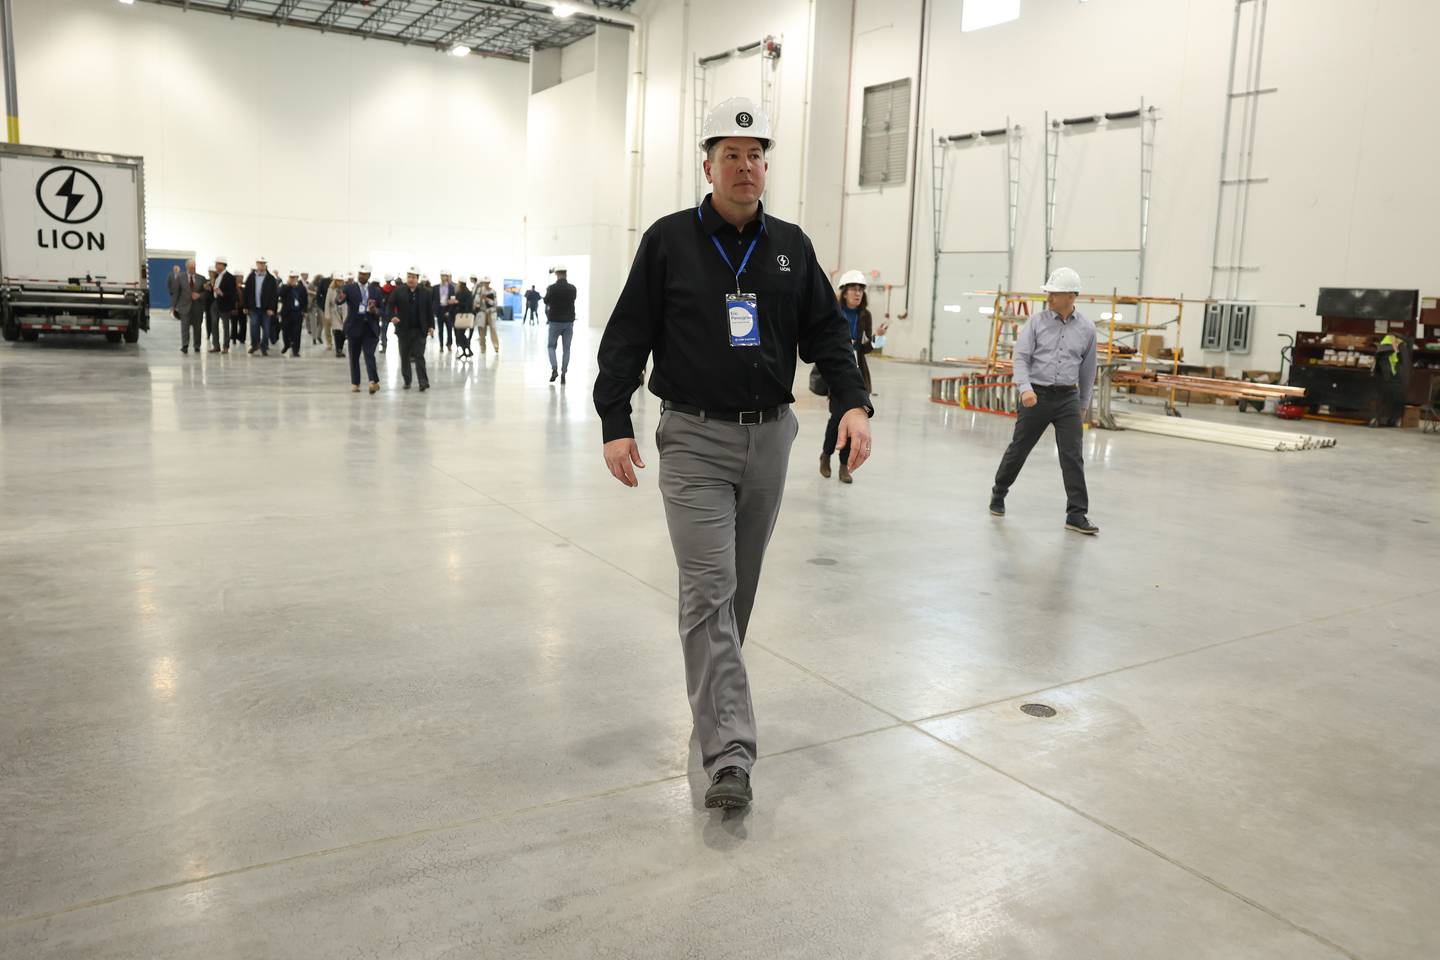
(746,417)
(1053,387)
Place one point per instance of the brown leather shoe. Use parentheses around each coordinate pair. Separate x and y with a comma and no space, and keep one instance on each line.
(354,388)
(825,466)
(374,386)
(845,473)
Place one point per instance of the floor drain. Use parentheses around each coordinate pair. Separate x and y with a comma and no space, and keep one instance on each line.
(1038,710)
(824,562)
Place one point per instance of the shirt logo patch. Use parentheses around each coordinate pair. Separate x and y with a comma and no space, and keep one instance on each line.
(784,262)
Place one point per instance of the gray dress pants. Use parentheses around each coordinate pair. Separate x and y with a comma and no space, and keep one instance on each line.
(722,484)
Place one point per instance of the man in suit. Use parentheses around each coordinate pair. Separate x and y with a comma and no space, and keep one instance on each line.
(222,305)
(262,295)
(189,306)
(363,302)
(532,305)
(172,283)
(412,311)
(445,309)
(294,301)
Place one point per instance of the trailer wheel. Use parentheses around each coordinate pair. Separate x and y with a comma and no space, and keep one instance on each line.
(113,336)
(11,331)
(29,336)
(132,332)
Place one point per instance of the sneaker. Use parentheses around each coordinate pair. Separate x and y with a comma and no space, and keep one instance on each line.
(997,507)
(825,466)
(730,790)
(1082,525)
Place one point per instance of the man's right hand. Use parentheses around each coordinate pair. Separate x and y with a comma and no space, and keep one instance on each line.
(620,455)
(1029,399)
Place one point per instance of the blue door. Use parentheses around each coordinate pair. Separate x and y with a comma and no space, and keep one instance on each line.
(160,268)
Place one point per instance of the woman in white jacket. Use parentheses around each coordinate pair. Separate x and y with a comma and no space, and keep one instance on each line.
(335,314)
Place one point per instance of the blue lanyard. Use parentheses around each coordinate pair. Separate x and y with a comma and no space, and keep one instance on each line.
(716,240)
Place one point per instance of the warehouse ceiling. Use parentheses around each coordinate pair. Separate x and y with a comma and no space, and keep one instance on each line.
(497,28)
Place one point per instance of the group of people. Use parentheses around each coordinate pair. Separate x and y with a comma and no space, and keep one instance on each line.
(357,310)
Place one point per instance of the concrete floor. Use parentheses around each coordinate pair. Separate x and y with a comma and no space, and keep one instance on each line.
(291,672)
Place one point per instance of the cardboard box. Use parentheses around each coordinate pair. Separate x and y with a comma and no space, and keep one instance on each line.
(1411,417)
(1152,344)
(1350,341)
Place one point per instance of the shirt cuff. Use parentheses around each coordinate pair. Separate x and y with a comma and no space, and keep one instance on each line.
(1023,387)
(617,426)
(851,399)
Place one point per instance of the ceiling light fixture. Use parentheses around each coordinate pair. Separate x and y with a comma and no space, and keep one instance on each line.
(563,10)
(459,50)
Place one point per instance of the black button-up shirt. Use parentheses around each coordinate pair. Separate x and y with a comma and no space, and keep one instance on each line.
(673,305)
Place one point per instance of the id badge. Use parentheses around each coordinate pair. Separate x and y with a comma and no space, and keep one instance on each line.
(744,317)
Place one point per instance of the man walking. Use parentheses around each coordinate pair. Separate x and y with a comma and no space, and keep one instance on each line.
(189,306)
(362,327)
(222,305)
(560,318)
(1055,376)
(445,308)
(294,301)
(532,305)
(412,311)
(262,294)
(724,295)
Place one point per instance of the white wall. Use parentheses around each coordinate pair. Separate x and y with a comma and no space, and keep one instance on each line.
(679,31)
(576,185)
(316,150)
(1347,144)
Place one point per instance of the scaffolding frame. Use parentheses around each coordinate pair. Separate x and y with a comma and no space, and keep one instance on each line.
(1013,135)
(768,51)
(1055,132)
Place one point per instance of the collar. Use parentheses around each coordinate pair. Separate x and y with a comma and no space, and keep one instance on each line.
(1056,314)
(713,223)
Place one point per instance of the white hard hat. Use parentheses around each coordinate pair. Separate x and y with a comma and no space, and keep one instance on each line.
(1063,280)
(220,258)
(262,260)
(413,271)
(558,268)
(444,272)
(851,277)
(294,273)
(364,268)
(736,117)
(487,279)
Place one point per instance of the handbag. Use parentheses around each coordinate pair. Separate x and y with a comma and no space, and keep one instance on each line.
(818,386)
(464,321)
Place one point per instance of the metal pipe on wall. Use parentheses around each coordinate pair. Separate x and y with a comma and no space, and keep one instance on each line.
(12,98)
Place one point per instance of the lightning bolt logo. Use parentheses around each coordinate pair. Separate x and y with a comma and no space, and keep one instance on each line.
(80,191)
(71,195)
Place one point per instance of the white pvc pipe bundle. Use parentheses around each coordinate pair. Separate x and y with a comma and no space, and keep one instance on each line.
(1210,432)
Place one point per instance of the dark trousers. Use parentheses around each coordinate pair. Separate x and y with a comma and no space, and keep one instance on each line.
(445,335)
(412,350)
(462,337)
(290,326)
(362,337)
(530,312)
(260,324)
(832,432)
(191,318)
(1062,408)
(237,327)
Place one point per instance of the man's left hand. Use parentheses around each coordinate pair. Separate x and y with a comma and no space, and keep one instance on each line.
(855,433)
